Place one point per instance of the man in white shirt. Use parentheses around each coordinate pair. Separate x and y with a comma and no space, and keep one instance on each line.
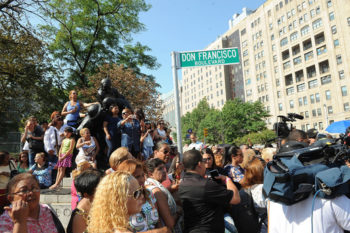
(195,144)
(329,215)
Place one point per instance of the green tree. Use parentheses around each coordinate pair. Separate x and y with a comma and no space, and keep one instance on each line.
(191,120)
(215,125)
(241,118)
(261,137)
(29,84)
(85,34)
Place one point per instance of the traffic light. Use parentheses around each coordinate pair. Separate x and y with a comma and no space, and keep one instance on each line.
(205,132)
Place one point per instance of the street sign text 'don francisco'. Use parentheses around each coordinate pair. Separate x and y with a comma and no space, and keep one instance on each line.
(209,57)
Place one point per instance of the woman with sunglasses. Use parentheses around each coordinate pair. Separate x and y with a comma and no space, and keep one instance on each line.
(131,132)
(209,161)
(118,196)
(26,214)
(156,173)
(148,218)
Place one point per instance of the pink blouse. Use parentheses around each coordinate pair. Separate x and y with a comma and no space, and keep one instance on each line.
(75,198)
(44,223)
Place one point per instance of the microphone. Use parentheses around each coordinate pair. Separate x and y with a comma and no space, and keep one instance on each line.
(294,115)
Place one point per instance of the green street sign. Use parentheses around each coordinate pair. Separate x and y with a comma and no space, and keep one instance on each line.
(209,57)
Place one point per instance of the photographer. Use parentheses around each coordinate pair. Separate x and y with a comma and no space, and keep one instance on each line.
(296,139)
(147,140)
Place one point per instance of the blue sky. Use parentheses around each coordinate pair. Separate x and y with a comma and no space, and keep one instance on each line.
(185,25)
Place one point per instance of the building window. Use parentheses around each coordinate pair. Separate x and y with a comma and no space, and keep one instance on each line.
(293,36)
(243,32)
(331,16)
(329,3)
(348,19)
(301,87)
(300,102)
(341,74)
(297,60)
(277,82)
(306,114)
(309,55)
(330,109)
(334,29)
(284,42)
(339,59)
(278,94)
(319,112)
(291,103)
(286,65)
(346,107)
(317,96)
(290,91)
(344,91)
(245,53)
(305,30)
(313,112)
(321,50)
(305,100)
(280,107)
(312,99)
(316,24)
(312,83)
(336,42)
(274,58)
(326,79)
(312,13)
(272,37)
(328,95)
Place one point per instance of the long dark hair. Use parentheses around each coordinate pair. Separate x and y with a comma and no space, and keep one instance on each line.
(20,155)
(209,152)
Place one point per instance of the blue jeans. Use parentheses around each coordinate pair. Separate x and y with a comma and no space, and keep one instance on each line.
(147,151)
(112,145)
(229,224)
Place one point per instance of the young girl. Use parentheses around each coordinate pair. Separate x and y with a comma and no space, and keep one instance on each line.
(65,155)
(88,148)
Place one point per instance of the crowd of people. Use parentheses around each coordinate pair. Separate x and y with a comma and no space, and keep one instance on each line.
(148,186)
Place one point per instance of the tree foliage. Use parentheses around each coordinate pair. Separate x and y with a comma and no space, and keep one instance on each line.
(236,119)
(191,120)
(85,34)
(139,91)
(261,137)
(241,118)
(27,79)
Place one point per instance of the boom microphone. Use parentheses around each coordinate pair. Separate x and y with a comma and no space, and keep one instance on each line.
(294,115)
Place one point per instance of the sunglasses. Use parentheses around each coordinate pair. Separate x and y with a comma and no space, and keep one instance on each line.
(166,151)
(125,113)
(25,192)
(206,160)
(137,194)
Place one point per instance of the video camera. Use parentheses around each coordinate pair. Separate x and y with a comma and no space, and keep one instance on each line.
(281,128)
(328,151)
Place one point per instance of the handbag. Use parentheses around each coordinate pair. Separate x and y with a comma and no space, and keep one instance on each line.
(13,170)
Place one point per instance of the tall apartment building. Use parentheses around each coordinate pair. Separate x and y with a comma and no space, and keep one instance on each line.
(215,83)
(294,58)
(169,108)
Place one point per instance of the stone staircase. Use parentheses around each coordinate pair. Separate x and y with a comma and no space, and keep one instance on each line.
(59,200)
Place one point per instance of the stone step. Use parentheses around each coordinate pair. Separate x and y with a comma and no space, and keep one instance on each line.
(60,201)
(67,182)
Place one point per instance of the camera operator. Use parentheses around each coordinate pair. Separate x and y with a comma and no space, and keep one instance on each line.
(203,199)
(296,139)
(312,135)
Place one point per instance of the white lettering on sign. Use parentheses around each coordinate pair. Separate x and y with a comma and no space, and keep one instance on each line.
(188,56)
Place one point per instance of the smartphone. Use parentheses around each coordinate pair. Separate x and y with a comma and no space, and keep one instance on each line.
(214,173)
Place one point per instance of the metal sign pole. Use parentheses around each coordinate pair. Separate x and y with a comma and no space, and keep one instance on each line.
(177,103)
